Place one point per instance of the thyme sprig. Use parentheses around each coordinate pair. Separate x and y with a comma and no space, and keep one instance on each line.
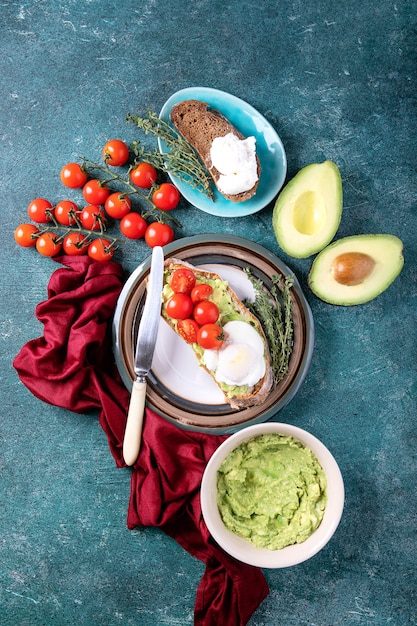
(129,189)
(274,308)
(180,160)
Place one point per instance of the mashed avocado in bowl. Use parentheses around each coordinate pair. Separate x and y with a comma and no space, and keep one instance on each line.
(272,495)
(272,491)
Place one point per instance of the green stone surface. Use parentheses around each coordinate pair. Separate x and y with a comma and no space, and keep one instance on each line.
(337,81)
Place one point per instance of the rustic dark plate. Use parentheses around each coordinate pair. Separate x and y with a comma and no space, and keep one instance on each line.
(178,389)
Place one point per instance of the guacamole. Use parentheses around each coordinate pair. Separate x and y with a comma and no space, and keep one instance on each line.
(271,490)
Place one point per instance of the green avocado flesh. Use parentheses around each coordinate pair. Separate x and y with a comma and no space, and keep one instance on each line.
(356,269)
(308,211)
(272,491)
(221,297)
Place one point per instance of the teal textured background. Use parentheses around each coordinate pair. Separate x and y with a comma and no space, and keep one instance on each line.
(337,81)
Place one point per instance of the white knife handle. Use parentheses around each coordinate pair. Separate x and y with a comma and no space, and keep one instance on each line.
(133,432)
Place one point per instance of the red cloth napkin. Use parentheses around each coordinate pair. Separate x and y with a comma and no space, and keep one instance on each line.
(72,366)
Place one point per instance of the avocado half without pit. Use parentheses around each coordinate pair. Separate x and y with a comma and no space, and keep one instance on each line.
(356,269)
(308,210)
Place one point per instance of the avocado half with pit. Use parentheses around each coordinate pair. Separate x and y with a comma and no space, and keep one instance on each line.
(308,210)
(356,269)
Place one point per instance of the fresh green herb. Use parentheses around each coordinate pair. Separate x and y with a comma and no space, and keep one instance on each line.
(274,310)
(180,160)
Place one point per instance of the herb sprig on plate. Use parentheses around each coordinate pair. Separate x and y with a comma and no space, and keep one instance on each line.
(180,159)
(273,309)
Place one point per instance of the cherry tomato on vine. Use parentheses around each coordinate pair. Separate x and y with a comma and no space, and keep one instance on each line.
(47,244)
(75,244)
(133,226)
(101,250)
(206,312)
(188,330)
(210,337)
(201,292)
(143,175)
(179,306)
(95,192)
(166,197)
(182,280)
(73,176)
(65,212)
(115,152)
(93,217)
(25,235)
(158,234)
(40,210)
(118,205)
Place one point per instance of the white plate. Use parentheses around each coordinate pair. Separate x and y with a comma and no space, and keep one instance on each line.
(174,361)
(249,122)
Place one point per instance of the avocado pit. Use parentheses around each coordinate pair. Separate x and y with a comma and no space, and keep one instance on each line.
(352,268)
(356,269)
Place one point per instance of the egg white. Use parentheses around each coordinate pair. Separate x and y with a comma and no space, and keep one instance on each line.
(240,361)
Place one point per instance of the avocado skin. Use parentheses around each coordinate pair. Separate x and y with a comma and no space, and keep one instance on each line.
(322,181)
(387,252)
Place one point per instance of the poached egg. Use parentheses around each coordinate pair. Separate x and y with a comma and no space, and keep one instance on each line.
(235,159)
(240,360)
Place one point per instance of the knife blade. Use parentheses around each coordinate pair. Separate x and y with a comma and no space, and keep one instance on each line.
(145,346)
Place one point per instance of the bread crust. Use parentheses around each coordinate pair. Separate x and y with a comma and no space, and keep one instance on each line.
(200,125)
(260,391)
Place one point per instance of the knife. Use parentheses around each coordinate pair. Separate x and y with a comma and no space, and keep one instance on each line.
(145,346)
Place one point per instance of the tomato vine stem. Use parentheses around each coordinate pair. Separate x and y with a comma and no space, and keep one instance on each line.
(153,210)
(77,228)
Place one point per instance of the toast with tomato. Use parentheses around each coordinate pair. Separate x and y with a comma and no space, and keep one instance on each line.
(227,339)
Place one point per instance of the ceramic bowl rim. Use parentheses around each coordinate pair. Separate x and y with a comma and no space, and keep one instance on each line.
(291,555)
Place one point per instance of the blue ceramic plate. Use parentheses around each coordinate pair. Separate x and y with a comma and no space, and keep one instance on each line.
(249,122)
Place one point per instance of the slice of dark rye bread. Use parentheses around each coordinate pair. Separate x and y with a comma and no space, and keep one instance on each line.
(250,397)
(200,125)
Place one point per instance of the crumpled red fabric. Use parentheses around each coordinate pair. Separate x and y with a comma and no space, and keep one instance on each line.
(72,366)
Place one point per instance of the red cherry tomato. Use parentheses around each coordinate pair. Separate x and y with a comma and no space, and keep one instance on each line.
(143,175)
(210,337)
(206,312)
(115,152)
(75,244)
(179,306)
(25,235)
(188,330)
(95,192)
(73,176)
(93,217)
(133,226)
(65,212)
(40,210)
(47,244)
(158,234)
(201,292)
(118,205)
(166,197)
(101,250)
(182,280)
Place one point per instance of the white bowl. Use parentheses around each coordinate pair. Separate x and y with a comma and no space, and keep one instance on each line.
(242,549)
